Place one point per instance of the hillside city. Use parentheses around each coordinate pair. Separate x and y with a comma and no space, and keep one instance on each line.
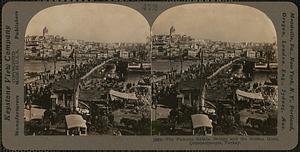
(180,86)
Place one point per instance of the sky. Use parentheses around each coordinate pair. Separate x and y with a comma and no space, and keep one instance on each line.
(116,23)
(91,22)
(225,22)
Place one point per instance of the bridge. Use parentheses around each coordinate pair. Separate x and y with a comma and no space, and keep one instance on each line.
(222,68)
(95,68)
(203,91)
(77,89)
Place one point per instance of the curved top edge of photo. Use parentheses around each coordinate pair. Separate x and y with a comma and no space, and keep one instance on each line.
(103,22)
(224,22)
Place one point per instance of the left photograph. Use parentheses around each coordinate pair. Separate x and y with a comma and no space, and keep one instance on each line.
(87,71)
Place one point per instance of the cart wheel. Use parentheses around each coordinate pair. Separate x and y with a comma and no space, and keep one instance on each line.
(92,129)
(219,129)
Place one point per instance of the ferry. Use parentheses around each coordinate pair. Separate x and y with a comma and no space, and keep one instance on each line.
(134,66)
(273,65)
(146,66)
(261,66)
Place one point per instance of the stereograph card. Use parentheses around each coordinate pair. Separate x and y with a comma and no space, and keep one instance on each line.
(149,75)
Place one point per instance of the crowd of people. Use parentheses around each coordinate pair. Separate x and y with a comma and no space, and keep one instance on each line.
(41,86)
(167,88)
(223,96)
(107,111)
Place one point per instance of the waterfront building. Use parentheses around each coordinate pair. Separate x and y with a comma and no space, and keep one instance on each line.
(192,53)
(66,53)
(229,54)
(219,54)
(250,53)
(238,52)
(91,55)
(103,54)
(111,53)
(124,54)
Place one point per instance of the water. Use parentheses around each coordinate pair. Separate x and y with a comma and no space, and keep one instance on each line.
(161,66)
(165,66)
(39,66)
(261,77)
(133,77)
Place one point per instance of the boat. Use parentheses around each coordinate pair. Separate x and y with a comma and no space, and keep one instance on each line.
(262,66)
(122,95)
(134,66)
(146,66)
(273,65)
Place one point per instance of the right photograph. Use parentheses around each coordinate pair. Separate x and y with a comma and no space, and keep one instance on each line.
(214,71)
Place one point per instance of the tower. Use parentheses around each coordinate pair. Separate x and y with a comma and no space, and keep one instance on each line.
(45,31)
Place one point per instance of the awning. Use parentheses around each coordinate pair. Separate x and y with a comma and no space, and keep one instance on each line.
(34,113)
(74,120)
(130,96)
(250,95)
(160,113)
(201,120)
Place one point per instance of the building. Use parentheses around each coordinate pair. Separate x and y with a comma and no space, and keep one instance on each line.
(238,53)
(193,53)
(229,54)
(189,92)
(87,55)
(250,53)
(111,53)
(103,54)
(219,54)
(124,54)
(154,52)
(63,93)
(66,53)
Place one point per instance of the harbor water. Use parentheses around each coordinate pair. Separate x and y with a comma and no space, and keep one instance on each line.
(132,77)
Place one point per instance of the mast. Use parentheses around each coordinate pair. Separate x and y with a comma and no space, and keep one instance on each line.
(199,57)
(201,100)
(151,78)
(170,37)
(54,63)
(172,30)
(181,60)
(45,31)
(73,108)
(44,62)
(202,82)
(201,70)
